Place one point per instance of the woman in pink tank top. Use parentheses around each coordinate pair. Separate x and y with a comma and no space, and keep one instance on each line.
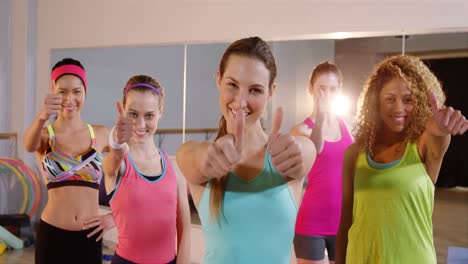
(319,215)
(148,199)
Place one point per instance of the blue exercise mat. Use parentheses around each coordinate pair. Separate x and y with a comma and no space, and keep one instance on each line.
(457,255)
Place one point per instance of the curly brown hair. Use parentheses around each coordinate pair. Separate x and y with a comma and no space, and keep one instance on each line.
(420,81)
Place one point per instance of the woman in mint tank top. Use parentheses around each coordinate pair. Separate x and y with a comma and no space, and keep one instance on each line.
(247,184)
(403,131)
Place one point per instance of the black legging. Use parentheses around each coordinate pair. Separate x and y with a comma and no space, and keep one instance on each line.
(56,245)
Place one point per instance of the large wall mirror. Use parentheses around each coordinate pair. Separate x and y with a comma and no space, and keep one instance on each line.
(187,73)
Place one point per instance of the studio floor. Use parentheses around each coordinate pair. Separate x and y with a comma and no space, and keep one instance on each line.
(450,222)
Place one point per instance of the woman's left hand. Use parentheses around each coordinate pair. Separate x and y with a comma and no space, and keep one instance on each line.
(102,223)
(284,149)
(448,120)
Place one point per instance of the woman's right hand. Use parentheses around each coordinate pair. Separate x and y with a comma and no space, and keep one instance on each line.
(52,105)
(323,103)
(222,155)
(123,129)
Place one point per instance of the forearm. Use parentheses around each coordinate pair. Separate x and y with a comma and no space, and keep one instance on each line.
(183,238)
(341,245)
(32,138)
(183,247)
(434,130)
(308,155)
(189,158)
(342,236)
(112,162)
(347,203)
(317,136)
(436,139)
(110,218)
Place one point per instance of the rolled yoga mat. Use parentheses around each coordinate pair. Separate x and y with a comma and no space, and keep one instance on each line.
(2,247)
(10,239)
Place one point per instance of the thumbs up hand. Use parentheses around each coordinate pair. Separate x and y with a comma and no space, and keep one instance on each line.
(222,155)
(285,151)
(123,128)
(52,104)
(448,120)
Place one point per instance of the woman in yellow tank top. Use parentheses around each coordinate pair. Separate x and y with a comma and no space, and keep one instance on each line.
(402,133)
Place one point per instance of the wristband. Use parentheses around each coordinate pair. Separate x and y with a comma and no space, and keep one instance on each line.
(112,143)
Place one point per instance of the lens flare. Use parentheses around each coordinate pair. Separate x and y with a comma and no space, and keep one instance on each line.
(340,105)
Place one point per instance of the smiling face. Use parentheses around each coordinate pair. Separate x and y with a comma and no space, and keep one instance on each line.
(143,107)
(243,86)
(395,105)
(72,90)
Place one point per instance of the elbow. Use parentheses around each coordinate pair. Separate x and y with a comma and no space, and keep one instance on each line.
(30,148)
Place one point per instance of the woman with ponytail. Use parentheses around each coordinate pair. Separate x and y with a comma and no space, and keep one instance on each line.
(246,185)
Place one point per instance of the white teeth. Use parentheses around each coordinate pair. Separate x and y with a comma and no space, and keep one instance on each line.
(245,113)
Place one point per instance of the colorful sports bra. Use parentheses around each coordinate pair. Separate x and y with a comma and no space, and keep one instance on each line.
(61,169)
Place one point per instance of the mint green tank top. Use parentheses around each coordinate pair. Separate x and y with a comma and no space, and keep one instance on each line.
(392,213)
(257,220)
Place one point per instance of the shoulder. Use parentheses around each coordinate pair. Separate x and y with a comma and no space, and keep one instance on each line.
(102,135)
(171,164)
(301,129)
(347,121)
(352,152)
(44,140)
(101,130)
(189,148)
(44,132)
(350,163)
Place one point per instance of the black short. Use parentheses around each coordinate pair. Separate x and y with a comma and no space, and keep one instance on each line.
(313,247)
(56,245)
(116,259)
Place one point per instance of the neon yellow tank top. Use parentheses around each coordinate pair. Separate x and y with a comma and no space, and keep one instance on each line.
(392,213)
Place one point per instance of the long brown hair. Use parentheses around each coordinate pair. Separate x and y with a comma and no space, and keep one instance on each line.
(255,48)
(420,81)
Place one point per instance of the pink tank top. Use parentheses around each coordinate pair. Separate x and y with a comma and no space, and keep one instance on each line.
(320,209)
(145,214)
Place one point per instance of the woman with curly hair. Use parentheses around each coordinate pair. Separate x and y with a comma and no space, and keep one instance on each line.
(402,133)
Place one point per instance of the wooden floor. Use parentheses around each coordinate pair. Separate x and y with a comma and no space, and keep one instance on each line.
(450,222)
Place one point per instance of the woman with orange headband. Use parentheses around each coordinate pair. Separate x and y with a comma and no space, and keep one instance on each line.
(69,150)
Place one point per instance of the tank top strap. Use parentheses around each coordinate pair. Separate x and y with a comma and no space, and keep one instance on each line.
(50,129)
(344,130)
(412,153)
(309,122)
(92,134)
(268,165)
(51,141)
